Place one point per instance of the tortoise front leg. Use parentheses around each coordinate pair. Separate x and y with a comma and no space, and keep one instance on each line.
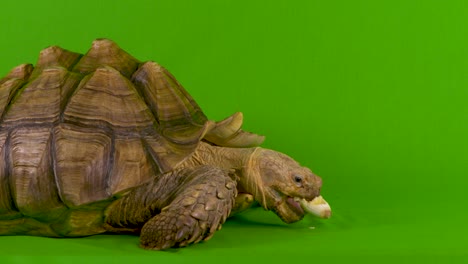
(243,202)
(198,210)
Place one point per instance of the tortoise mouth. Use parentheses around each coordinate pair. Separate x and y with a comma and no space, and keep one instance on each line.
(295,206)
(288,208)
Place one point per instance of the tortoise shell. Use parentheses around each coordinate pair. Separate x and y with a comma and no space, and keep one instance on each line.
(79,129)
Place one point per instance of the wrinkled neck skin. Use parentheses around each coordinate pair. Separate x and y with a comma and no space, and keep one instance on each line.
(230,159)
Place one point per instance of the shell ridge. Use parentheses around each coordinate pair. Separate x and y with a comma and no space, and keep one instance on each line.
(188,97)
(133,165)
(176,95)
(74,63)
(65,96)
(13,95)
(180,118)
(55,56)
(110,166)
(108,96)
(82,160)
(9,204)
(20,72)
(104,52)
(155,157)
(140,91)
(184,99)
(39,101)
(53,154)
(32,179)
(70,96)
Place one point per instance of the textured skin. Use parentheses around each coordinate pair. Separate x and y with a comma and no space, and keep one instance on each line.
(196,213)
(179,208)
(243,202)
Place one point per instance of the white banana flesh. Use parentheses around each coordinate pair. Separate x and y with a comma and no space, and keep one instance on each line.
(318,207)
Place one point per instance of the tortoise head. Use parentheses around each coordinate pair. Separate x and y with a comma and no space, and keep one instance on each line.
(279,182)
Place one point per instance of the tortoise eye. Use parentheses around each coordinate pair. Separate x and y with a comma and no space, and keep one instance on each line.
(298,179)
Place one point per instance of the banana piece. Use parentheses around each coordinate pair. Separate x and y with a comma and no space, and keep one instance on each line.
(318,207)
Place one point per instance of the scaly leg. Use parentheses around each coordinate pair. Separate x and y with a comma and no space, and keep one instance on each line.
(176,209)
(195,214)
(243,202)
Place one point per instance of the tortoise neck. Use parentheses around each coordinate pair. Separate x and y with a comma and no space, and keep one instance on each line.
(244,162)
(222,157)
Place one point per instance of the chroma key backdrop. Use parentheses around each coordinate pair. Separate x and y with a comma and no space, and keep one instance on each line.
(372,95)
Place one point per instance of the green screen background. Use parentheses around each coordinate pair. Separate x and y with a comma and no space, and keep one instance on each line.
(372,95)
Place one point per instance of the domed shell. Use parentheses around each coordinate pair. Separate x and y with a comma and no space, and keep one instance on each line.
(78,129)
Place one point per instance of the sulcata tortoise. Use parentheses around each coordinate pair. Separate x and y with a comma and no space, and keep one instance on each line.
(102,142)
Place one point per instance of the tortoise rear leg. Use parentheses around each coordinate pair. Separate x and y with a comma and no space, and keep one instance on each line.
(199,209)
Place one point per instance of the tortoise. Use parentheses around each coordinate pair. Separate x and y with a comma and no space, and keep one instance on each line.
(102,142)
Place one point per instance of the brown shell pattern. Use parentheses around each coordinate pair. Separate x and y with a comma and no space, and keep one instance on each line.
(78,129)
